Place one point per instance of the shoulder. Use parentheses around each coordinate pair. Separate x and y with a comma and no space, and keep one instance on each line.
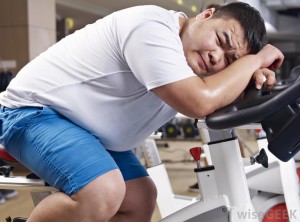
(145,10)
(145,13)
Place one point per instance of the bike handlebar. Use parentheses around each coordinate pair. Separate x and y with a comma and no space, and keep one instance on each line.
(257,106)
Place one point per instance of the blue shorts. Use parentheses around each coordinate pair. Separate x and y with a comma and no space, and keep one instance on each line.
(63,154)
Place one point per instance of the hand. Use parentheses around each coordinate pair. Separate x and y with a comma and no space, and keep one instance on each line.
(264,77)
(270,57)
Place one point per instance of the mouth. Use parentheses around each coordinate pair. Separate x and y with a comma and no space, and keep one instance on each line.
(202,63)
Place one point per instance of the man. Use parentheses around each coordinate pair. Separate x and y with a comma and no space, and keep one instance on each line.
(73,114)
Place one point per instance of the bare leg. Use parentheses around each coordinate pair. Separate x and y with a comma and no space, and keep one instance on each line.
(97,201)
(139,201)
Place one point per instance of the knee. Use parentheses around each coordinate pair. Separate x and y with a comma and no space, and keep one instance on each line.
(109,206)
(145,202)
(141,202)
(102,200)
(151,194)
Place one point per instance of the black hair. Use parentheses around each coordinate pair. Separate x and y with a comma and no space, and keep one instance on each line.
(250,20)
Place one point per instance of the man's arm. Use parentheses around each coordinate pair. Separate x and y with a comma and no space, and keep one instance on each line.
(196,97)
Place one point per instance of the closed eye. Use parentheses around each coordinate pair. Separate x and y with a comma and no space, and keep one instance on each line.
(231,59)
(219,42)
(227,40)
(227,61)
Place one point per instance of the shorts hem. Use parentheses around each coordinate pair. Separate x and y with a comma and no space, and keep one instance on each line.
(90,175)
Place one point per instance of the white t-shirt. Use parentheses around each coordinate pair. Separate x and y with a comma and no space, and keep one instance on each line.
(100,77)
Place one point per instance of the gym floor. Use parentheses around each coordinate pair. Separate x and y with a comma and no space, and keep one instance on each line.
(178,163)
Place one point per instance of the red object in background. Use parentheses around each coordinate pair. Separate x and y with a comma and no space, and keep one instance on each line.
(5,155)
(195,152)
(257,130)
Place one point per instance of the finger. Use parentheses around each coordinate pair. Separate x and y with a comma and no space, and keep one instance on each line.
(259,78)
(270,78)
(277,62)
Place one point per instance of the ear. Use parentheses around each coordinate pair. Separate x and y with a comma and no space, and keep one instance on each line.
(207,13)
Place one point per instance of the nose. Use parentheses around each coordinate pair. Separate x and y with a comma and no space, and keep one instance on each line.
(216,56)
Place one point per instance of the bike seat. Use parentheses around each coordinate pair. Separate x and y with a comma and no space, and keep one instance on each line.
(4,155)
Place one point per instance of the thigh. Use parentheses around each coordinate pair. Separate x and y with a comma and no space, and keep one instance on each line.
(63,154)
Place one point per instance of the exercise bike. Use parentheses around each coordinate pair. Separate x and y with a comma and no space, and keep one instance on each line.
(224,186)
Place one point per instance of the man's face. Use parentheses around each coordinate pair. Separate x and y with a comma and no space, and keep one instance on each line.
(210,44)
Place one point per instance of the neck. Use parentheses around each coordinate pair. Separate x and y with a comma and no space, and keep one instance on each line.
(183,23)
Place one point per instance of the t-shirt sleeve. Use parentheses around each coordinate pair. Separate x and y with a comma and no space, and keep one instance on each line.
(154,53)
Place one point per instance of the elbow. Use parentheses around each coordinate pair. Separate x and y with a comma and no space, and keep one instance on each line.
(204,110)
(207,103)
